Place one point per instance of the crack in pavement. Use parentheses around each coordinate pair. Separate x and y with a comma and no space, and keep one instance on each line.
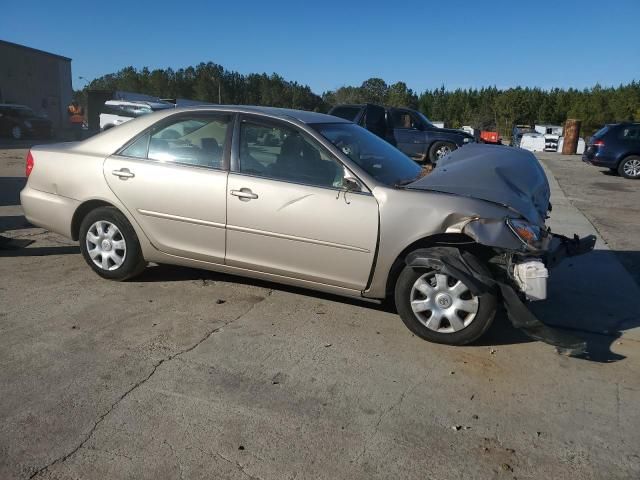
(238,465)
(88,436)
(393,406)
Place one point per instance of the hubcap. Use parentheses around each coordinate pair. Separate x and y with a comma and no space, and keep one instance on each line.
(632,168)
(443,152)
(442,303)
(106,245)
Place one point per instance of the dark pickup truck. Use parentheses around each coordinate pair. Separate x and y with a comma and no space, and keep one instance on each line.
(410,131)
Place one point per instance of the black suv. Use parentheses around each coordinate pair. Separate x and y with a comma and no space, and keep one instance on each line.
(410,131)
(617,147)
(18,121)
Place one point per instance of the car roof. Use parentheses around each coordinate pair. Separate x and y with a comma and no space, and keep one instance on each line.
(135,103)
(106,142)
(280,113)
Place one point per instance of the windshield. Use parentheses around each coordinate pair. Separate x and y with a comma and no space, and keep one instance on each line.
(378,158)
(425,119)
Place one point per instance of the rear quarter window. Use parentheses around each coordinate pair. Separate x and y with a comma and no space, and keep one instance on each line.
(348,113)
(630,133)
(601,133)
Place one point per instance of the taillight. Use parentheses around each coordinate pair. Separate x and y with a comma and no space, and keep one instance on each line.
(29,164)
(598,143)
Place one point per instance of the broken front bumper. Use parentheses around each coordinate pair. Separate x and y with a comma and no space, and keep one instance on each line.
(562,247)
(521,317)
(461,265)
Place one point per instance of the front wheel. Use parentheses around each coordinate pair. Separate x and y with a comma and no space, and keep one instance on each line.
(630,167)
(440,308)
(439,150)
(109,244)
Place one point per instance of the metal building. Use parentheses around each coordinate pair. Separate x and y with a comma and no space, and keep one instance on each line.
(37,79)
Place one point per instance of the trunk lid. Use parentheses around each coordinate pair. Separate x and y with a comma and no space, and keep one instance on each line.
(504,175)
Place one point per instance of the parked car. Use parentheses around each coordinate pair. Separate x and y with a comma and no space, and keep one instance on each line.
(616,146)
(115,112)
(19,121)
(331,207)
(517,132)
(409,130)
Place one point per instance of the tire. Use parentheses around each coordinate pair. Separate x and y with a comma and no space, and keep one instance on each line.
(107,237)
(446,293)
(630,167)
(16,132)
(439,150)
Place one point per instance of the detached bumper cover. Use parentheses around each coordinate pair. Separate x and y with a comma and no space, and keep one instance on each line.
(562,247)
(462,265)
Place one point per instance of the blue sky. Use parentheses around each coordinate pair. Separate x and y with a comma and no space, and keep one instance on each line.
(328,44)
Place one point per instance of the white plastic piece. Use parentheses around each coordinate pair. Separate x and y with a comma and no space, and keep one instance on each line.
(531,276)
(534,142)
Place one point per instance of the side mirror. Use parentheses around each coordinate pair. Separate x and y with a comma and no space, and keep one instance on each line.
(350,184)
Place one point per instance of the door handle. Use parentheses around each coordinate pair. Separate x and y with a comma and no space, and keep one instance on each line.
(123,173)
(244,194)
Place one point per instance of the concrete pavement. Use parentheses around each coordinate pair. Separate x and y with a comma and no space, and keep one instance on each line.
(188,374)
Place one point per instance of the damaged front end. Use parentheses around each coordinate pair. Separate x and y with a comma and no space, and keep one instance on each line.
(520,259)
(518,248)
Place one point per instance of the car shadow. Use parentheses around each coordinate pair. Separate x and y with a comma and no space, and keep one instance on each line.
(598,332)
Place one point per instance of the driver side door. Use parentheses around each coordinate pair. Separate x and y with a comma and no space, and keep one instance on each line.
(409,133)
(288,212)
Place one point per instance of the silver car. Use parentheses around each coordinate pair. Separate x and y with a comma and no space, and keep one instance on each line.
(309,200)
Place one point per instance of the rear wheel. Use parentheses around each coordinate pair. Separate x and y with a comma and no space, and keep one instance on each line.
(440,150)
(109,244)
(440,308)
(630,167)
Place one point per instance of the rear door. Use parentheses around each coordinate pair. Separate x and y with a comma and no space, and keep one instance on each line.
(409,133)
(173,178)
(288,212)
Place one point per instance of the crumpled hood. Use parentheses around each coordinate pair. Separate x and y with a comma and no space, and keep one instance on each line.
(508,176)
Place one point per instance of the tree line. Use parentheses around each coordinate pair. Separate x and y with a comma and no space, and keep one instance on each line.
(487,108)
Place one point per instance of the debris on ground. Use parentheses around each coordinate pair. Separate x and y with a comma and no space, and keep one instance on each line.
(506,467)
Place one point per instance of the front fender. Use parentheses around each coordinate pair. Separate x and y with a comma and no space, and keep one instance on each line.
(493,233)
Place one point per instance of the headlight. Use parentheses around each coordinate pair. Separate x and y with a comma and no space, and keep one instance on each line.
(467,140)
(27,123)
(530,235)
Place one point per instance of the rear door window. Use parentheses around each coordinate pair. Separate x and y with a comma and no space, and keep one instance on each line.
(198,141)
